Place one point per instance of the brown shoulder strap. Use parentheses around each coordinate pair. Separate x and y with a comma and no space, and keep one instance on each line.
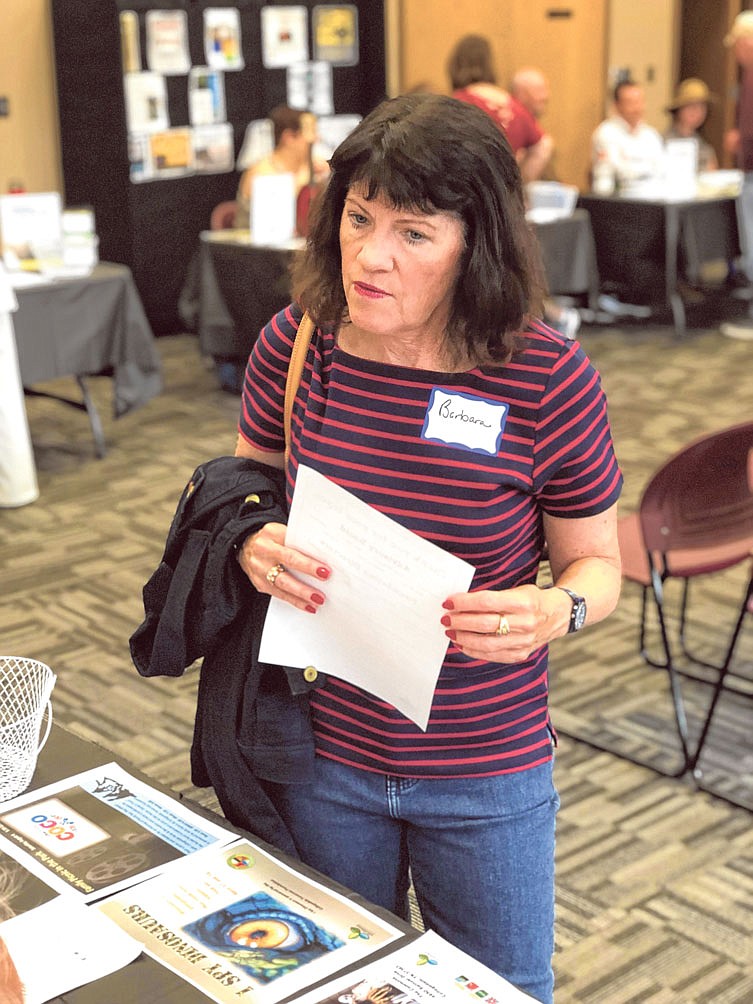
(297,361)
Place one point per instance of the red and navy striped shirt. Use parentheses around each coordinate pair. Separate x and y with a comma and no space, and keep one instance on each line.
(360,423)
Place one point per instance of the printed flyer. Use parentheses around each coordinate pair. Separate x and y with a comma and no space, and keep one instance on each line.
(426,971)
(101,830)
(240,925)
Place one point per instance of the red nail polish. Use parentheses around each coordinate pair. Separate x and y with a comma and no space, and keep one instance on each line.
(445,621)
(452,635)
(310,609)
(317,598)
(448,605)
(322,573)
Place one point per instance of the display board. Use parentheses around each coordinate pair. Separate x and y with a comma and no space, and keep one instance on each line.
(155,100)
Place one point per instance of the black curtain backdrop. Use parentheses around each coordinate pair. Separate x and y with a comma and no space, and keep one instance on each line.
(153,226)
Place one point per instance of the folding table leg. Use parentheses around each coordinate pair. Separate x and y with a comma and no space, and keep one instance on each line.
(87,405)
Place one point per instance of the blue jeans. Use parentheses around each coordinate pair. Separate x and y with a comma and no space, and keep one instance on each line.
(745,221)
(480,853)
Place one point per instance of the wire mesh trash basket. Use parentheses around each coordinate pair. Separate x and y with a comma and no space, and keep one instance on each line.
(25,690)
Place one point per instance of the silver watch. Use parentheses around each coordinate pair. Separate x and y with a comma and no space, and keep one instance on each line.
(578,612)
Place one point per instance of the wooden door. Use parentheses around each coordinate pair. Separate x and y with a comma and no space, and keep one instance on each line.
(567,41)
(643,42)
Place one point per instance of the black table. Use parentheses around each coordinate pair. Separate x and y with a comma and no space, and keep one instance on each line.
(84,326)
(145,981)
(675,237)
(241,286)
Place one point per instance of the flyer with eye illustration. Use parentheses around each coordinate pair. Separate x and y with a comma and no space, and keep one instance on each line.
(239,924)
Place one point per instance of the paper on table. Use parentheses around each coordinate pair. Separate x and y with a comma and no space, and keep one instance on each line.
(379,627)
(102,830)
(242,926)
(62,945)
(426,971)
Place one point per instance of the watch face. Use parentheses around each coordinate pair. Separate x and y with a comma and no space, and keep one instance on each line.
(579,615)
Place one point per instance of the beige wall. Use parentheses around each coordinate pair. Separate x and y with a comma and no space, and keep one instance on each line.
(652,57)
(642,34)
(29,140)
(570,50)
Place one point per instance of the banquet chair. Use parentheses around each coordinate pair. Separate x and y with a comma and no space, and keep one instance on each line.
(695,518)
(223,215)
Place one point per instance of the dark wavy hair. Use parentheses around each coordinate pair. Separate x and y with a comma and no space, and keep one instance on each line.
(471,62)
(428,153)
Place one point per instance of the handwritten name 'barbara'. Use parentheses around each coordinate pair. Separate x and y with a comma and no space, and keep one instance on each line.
(446,411)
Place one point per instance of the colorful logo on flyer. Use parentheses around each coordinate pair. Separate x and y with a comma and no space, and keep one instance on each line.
(53,825)
(475,990)
(358,932)
(239,861)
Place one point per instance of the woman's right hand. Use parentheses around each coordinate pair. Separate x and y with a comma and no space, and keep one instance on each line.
(272,566)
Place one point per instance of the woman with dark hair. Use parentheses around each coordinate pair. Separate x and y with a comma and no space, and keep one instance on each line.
(474,80)
(421,275)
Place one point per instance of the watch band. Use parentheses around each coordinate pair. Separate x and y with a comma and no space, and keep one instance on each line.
(578,612)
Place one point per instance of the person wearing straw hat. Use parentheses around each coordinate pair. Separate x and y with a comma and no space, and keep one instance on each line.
(689,108)
(739,141)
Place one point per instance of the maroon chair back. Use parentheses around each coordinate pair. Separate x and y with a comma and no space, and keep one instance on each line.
(701,497)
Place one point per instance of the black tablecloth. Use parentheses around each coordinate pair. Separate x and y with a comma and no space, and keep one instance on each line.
(634,235)
(85,326)
(145,981)
(241,286)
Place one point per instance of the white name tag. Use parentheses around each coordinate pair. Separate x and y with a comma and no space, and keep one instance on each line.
(463,420)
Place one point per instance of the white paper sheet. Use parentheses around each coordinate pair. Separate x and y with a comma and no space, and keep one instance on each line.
(380,625)
(103,830)
(426,971)
(62,945)
(272,208)
(244,926)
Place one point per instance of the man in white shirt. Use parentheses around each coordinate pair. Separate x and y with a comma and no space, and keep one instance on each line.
(624,149)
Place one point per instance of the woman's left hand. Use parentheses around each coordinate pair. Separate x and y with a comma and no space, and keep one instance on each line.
(504,625)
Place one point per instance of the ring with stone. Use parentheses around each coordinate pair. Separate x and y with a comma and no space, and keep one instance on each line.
(273,573)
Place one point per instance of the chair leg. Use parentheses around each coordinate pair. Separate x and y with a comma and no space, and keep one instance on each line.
(675,688)
(719,686)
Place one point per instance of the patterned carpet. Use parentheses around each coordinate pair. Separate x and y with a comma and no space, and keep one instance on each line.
(655,879)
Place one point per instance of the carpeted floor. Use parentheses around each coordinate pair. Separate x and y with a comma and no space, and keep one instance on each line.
(655,879)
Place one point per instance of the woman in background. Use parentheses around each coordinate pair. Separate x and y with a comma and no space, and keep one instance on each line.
(689,109)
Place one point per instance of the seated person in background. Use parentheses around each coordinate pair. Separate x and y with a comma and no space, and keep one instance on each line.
(530,87)
(625,149)
(294,137)
(689,109)
(471,71)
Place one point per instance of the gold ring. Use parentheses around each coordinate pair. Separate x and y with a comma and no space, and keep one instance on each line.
(273,573)
(504,625)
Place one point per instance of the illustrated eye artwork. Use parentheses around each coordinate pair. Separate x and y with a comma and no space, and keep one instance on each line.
(266,933)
